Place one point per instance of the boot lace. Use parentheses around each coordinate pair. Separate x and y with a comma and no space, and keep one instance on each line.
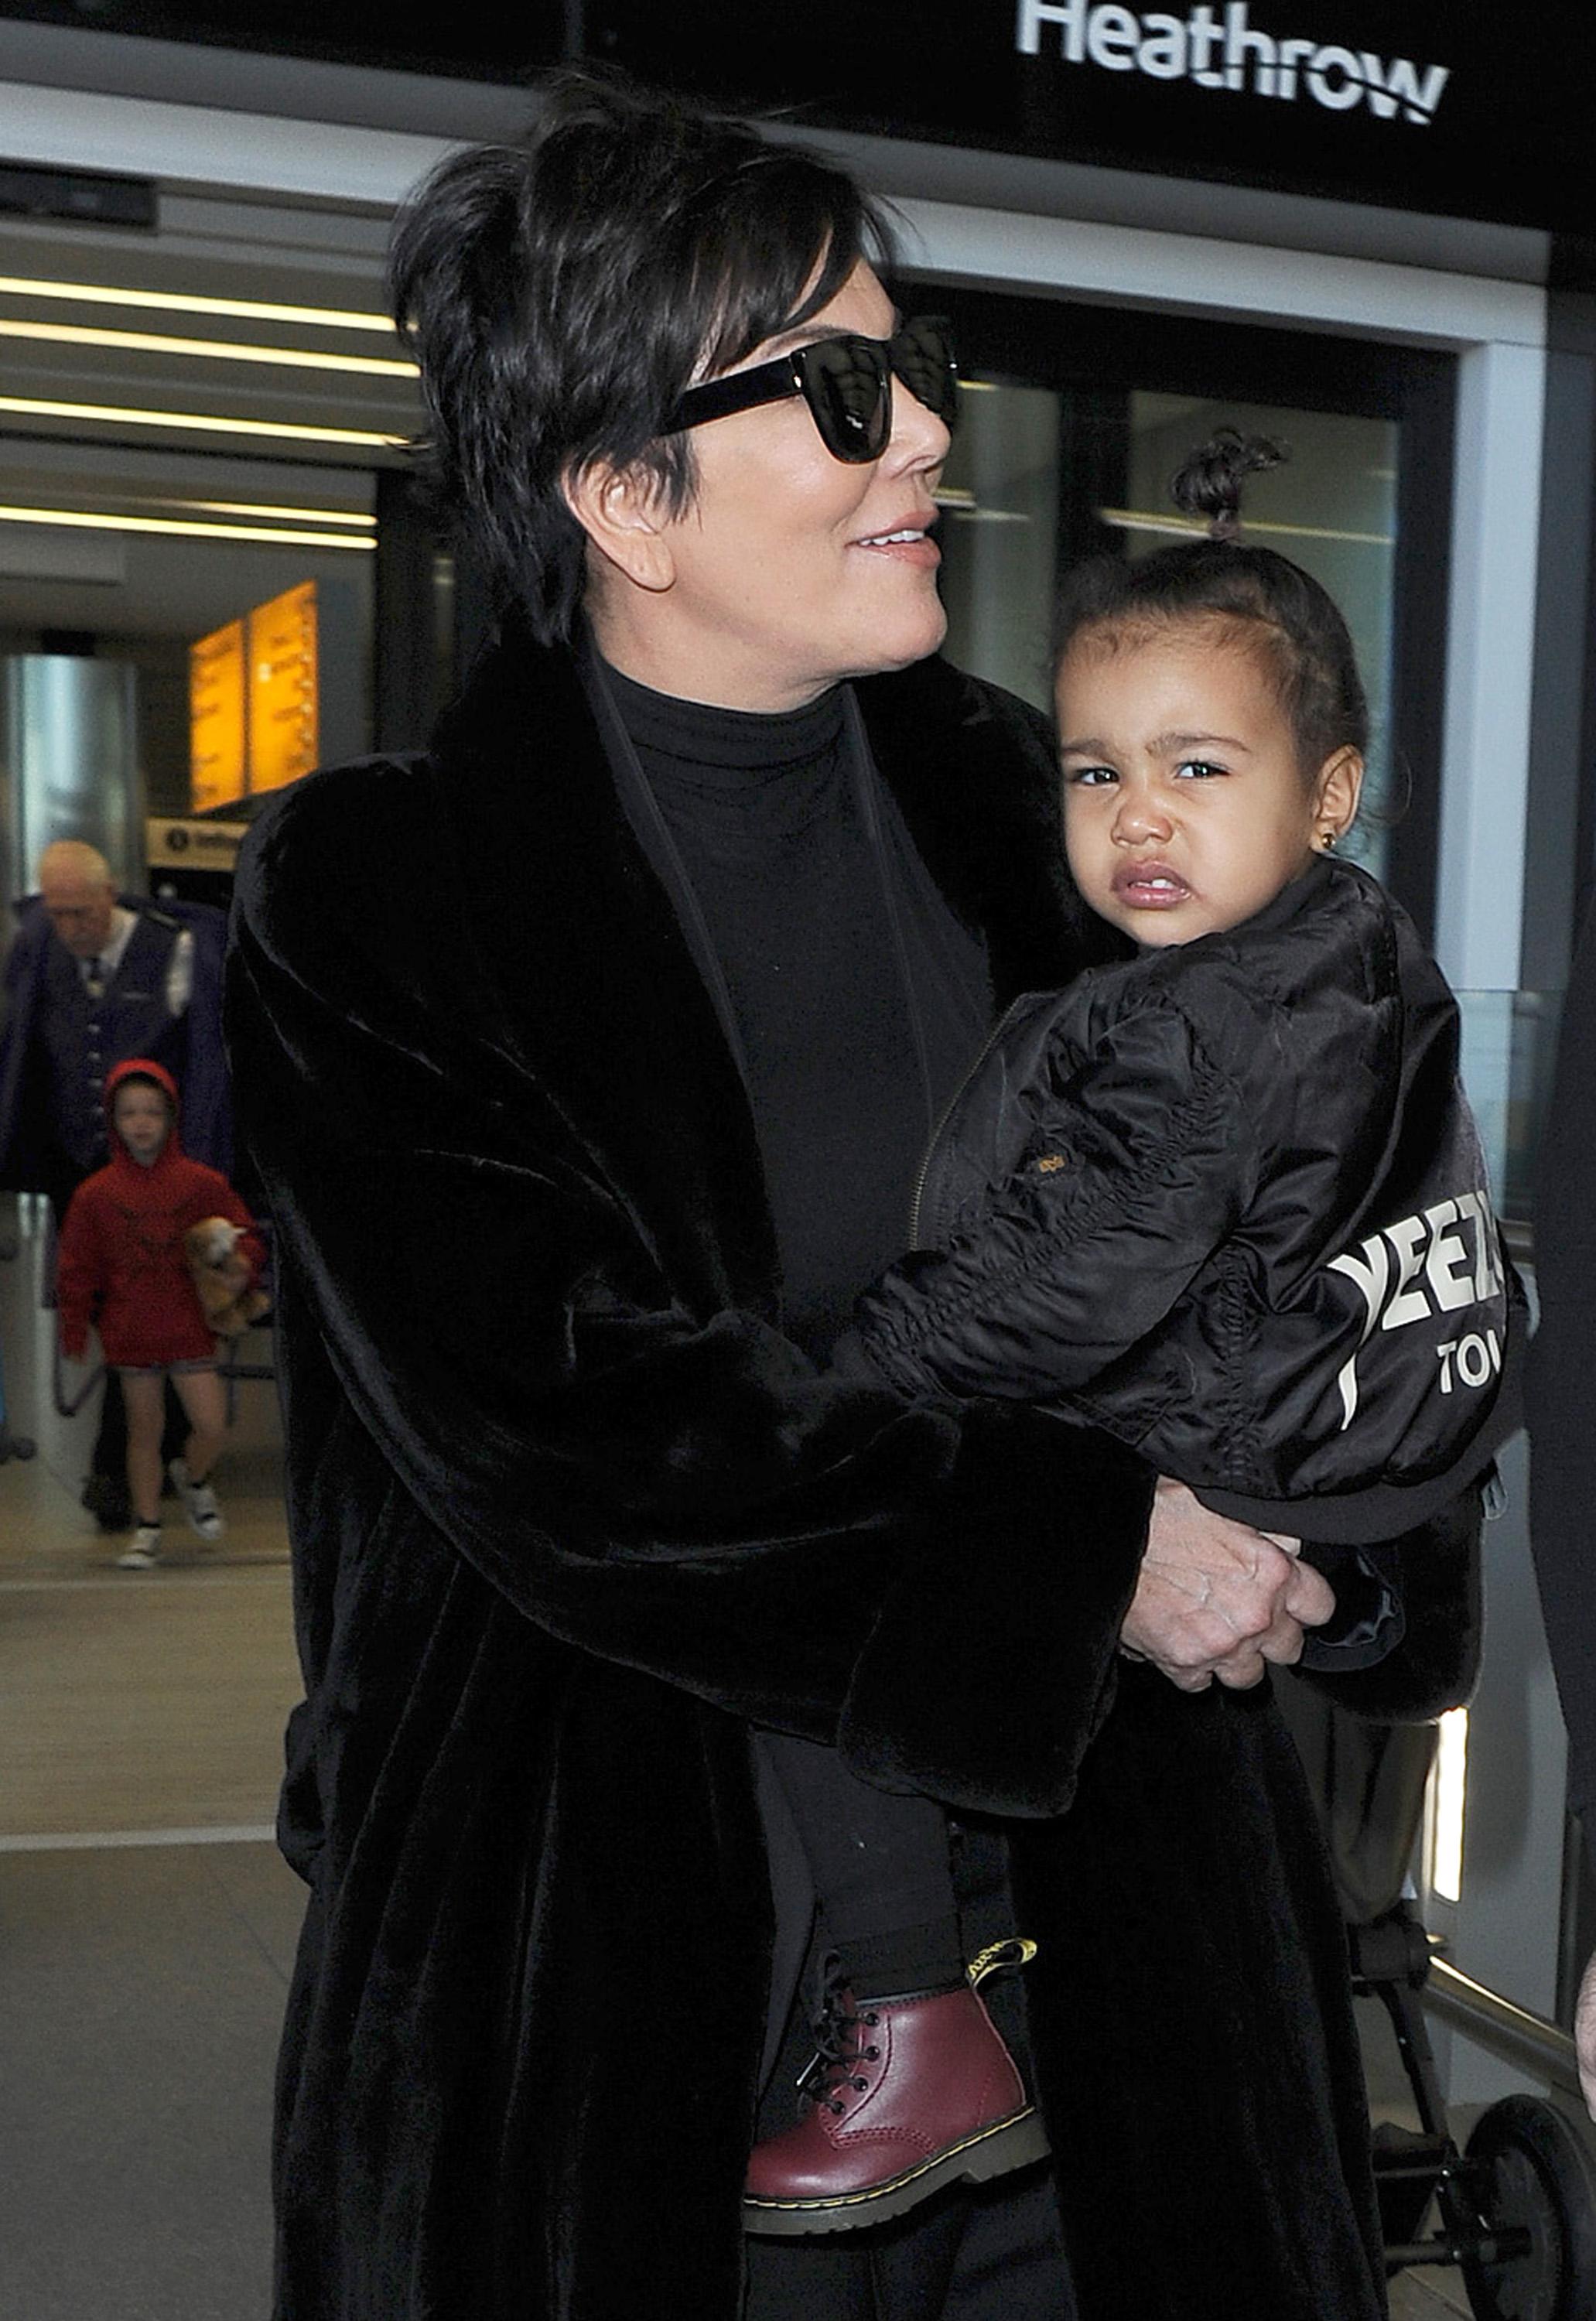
(841,2029)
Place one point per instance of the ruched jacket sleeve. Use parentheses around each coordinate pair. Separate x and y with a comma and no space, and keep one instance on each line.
(657,1480)
(1137,1164)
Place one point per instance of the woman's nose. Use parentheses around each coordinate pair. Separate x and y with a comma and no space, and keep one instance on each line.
(919,438)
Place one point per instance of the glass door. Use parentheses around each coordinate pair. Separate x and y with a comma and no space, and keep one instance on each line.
(1074,419)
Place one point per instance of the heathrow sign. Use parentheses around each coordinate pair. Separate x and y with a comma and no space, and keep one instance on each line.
(1220,47)
(1467,108)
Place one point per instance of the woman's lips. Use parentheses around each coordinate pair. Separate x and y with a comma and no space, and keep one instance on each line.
(908,543)
(1150,886)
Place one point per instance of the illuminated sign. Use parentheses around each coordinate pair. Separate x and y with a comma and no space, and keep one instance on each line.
(1221,48)
(217,747)
(283,726)
(1315,96)
(176,843)
(252,702)
(1473,112)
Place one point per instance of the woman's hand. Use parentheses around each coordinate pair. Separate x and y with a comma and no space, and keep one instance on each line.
(1217,1598)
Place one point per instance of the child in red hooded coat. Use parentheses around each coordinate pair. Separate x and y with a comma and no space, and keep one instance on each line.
(123,1266)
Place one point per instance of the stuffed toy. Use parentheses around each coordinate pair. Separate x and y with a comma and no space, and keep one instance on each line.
(222,1278)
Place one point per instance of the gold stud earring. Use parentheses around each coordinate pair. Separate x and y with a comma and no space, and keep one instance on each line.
(1328,842)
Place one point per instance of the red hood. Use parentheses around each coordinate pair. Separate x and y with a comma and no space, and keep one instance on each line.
(141,1068)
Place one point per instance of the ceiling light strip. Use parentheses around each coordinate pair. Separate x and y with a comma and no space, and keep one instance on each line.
(118,414)
(81,520)
(156,342)
(1193,528)
(182,301)
(280,513)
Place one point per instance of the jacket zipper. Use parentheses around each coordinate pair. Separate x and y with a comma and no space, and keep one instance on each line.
(952,1106)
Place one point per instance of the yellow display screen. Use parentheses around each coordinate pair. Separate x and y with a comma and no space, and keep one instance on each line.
(253,701)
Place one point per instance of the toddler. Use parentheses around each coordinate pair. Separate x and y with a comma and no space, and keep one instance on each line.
(1224,1200)
(123,1266)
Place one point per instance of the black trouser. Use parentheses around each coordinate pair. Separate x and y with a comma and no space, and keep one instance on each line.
(879,1862)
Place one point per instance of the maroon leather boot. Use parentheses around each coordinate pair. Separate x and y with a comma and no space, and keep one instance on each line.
(906,2095)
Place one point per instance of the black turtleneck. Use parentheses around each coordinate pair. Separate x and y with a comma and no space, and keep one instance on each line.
(853,1035)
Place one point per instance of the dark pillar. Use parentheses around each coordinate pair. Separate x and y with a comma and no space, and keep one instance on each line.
(404,676)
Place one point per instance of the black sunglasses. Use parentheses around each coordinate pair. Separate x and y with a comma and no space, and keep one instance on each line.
(847,383)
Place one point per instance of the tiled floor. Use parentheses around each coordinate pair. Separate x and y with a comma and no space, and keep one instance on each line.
(1428,2295)
(146,1922)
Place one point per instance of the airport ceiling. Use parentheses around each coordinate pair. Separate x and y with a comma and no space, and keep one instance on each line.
(186,413)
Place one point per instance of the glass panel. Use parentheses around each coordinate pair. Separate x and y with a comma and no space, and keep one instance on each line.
(1509,1051)
(999,498)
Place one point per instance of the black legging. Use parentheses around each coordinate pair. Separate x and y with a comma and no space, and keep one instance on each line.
(879,1862)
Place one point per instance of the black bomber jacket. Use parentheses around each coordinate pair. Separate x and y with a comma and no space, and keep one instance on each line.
(1227,1201)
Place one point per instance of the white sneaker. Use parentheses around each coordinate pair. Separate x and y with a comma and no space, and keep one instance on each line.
(205,1518)
(143,1551)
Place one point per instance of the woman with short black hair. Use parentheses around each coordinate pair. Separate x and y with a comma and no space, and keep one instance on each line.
(584,1112)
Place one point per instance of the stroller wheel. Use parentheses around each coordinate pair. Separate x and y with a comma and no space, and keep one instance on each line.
(1530,2167)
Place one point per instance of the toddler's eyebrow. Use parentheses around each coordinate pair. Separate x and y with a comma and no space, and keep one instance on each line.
(1161,744)
(1165,742)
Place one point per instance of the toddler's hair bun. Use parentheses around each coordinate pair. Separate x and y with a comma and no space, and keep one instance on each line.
(1210,482)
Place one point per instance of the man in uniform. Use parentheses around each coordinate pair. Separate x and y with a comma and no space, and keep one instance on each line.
(93,978)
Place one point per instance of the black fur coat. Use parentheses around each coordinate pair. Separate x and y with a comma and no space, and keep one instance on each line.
(568,1510)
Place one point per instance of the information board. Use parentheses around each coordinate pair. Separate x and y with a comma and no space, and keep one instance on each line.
(282,695)
(217,744)
(254,702)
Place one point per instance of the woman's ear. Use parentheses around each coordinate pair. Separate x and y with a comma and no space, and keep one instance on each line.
(622,512)
(1336,789)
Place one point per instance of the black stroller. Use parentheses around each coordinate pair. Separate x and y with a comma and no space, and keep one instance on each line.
(1514,2210)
